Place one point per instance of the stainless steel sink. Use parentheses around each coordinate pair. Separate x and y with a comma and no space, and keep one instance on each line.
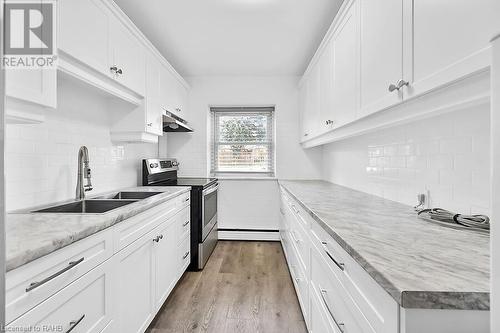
(130,195)
(87,206)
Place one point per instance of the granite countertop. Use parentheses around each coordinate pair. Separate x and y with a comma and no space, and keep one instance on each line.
(421,264)
(30,236)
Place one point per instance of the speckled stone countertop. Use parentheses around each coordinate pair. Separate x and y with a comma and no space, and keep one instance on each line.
(421,264)
(30,236)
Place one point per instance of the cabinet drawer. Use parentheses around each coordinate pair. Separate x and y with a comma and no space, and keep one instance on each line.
(341,310)
(300,281)
(184,254)
(300,240)
(83,306)
(183,223)
(34,282)
(379,309)
(135,227)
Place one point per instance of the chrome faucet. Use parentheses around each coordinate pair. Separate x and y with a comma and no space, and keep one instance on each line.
(83,172)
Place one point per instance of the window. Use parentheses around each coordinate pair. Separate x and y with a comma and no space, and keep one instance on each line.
(243,140)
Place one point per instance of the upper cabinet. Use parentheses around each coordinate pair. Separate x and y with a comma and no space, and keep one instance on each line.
(446,40)
(381,51)
(128,64)
(380,56)
(111,54)
(87,40)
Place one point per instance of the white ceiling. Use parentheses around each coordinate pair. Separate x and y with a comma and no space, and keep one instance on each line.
(234,37)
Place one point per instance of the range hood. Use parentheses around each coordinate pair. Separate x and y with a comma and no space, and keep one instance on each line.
(172,123)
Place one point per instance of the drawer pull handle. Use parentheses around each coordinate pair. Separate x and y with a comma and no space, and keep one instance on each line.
(157,239)
(185,223)
(186,200)
(74,323)
(185,255)
(295,239)
(340,325)
(340,265)
(37,284)
(295,209)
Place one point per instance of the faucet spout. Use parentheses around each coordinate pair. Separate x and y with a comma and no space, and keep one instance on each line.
(83,172)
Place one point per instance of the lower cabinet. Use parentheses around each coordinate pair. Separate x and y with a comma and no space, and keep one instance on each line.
(86,305)
(135,285)
(109,290)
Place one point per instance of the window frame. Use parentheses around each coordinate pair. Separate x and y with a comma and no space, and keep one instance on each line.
(268,111)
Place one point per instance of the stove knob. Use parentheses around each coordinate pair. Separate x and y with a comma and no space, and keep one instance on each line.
(175,163)
(152,165)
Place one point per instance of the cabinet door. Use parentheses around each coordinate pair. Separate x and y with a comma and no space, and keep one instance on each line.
(345,68)
(167,89)
(135,285)
(311,120)
(83,306)
(153,110)
(129,57)
(326,110)
(181,94)
(85,39)
(381,53)
(33,85)
(447,40)
(166,261)
(303,110)
(319,318)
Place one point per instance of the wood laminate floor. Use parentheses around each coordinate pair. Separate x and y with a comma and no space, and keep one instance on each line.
(245,287)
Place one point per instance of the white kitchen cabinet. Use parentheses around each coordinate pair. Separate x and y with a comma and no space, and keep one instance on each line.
(312,114)
(128,58)
(326,111)
(135,285)
(320,322)
(446,40)
(345,71)
(173,93)
(34,86)
(86,40)
(86,305)
(165,261)
(154,112)
(302,110)
(381,42)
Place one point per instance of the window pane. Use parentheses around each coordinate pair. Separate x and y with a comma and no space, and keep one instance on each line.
(243,158)
(245,128)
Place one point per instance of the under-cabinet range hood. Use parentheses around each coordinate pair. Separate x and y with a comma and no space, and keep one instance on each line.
(172,123)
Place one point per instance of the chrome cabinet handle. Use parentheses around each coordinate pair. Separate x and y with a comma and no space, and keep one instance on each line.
(400,84)
(329,122)
(113,69)
(74,323)
(157,239)
(149,124)
(119,71)
(185,255)
(340,325)
(340,265)
(295,239)
(187,199)
(178,109)
(295,209)
(37,284)
(306,134)
(185,223)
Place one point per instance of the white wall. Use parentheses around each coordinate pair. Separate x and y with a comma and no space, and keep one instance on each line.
(252,198)
(41,159)
(447,155)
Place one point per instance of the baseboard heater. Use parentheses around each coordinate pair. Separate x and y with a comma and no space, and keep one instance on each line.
(249,234)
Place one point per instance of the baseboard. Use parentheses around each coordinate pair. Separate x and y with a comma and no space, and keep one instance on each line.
(253,235)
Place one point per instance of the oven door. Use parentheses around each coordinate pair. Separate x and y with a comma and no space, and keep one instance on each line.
(209,210)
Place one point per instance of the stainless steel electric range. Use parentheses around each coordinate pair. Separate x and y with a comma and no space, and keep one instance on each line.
(204,234)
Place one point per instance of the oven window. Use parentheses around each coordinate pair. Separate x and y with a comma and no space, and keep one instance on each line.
(210,207)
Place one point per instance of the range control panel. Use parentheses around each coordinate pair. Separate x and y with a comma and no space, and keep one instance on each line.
(161,165)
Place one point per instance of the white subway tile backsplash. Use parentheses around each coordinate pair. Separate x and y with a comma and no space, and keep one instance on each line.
(41,160)
(447,155)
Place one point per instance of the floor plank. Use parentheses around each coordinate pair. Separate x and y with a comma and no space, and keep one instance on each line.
(245,287)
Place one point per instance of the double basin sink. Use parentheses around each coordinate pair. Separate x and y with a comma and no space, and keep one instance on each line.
(99,205)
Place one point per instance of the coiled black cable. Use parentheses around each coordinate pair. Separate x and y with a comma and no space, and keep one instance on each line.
(470,221)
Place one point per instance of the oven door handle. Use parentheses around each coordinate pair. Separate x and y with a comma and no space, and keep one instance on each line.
(210,190)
